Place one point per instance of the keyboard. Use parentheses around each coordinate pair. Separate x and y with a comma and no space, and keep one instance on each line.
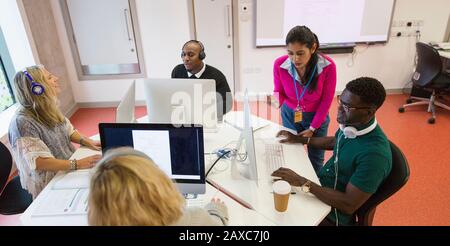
(274,157)
(194,202)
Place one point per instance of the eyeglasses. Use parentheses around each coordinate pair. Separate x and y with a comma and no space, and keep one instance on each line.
(348,108)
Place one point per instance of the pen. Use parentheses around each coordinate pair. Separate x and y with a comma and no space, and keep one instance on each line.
(292,192)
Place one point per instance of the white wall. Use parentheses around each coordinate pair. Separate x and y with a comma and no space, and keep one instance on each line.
(164,28)
(391,63)
(15,36)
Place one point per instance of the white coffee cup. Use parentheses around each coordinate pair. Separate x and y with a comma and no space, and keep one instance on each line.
(281,192)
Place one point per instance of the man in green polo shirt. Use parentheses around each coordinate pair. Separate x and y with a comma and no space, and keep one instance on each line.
(361,158)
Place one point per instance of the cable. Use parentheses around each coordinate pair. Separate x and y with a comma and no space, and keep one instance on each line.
(215,162)
(336,170)
(355,52)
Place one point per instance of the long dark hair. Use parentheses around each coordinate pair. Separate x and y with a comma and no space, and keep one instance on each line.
(303,35)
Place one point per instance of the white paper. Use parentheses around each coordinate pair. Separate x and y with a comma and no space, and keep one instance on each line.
(84,152)
(73,180)
(63,202)
(236,119)
(155,144)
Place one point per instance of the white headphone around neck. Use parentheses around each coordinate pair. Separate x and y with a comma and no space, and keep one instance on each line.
(352,132)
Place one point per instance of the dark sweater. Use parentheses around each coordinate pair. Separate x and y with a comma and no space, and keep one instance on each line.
(222,87)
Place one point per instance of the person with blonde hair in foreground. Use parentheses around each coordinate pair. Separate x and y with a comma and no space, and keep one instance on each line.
(128,188)
(40,136)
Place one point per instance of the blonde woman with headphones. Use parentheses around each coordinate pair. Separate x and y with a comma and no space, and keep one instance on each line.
(39,133)
(128,189)
(362,157)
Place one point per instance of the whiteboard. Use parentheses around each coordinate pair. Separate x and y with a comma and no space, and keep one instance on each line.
(334,21)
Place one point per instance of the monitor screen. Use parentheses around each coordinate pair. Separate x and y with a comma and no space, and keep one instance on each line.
(181,101)
(248,169)
(178,151)
(125,110)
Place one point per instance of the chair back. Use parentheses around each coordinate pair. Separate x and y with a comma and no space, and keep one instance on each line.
(396,179)
(429,65)
(5,165)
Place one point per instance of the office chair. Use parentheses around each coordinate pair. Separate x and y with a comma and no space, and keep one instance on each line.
(13,199)
(397,179)
(430,77)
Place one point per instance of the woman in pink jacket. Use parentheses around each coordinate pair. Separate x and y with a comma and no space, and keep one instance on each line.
(304,84)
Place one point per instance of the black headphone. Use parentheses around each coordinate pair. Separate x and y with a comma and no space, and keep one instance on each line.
(36,88)
(202,54)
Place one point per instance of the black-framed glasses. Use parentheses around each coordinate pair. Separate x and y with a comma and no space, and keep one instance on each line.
(346,107)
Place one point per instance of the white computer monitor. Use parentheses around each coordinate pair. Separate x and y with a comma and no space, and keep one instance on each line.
(125,110)
(178,151)
(248,168)
(181,101)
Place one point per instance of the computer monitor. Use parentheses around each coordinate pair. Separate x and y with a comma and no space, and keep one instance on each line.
(125,110)
(247,168)
(181,101)
(178,151)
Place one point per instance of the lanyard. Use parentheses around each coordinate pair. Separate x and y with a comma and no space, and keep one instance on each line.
(295,83)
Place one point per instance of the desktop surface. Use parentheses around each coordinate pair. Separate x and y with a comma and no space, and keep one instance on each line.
(303,209)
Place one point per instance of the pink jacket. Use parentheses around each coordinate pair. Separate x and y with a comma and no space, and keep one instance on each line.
(319,100)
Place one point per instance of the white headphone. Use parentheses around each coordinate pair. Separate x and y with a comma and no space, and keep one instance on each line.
(352,132)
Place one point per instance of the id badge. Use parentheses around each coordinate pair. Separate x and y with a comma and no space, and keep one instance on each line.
(298,115)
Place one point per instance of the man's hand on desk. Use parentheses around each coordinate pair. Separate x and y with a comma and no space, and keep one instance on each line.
(290,138)
(88,162)
(290,176)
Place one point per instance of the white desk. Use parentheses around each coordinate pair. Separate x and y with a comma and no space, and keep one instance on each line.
(303,209)
(444,54)
(239,215)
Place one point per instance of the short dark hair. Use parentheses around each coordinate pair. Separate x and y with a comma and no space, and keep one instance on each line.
(369,90)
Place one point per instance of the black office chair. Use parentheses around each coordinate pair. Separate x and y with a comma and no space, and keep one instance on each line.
(430,77)
(397,179)
(13,199)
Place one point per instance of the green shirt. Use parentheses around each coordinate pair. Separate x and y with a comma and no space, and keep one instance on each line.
(364,161)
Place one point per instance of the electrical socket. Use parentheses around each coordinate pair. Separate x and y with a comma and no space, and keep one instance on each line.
(417,23)
(402,34)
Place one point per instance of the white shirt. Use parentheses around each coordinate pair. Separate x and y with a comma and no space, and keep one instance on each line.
(199,74)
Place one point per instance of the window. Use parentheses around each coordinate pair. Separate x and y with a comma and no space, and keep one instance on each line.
(6,74)
(6,95)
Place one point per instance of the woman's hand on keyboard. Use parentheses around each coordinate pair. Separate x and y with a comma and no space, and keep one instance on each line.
(288,137)
(290,176)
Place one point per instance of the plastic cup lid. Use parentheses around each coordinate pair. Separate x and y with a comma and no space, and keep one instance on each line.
(281,187)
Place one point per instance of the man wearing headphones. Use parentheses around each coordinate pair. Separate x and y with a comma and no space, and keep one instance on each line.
(361,159)
(193,54)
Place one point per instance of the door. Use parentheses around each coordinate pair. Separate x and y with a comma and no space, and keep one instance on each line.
(214,28)
(104,35)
